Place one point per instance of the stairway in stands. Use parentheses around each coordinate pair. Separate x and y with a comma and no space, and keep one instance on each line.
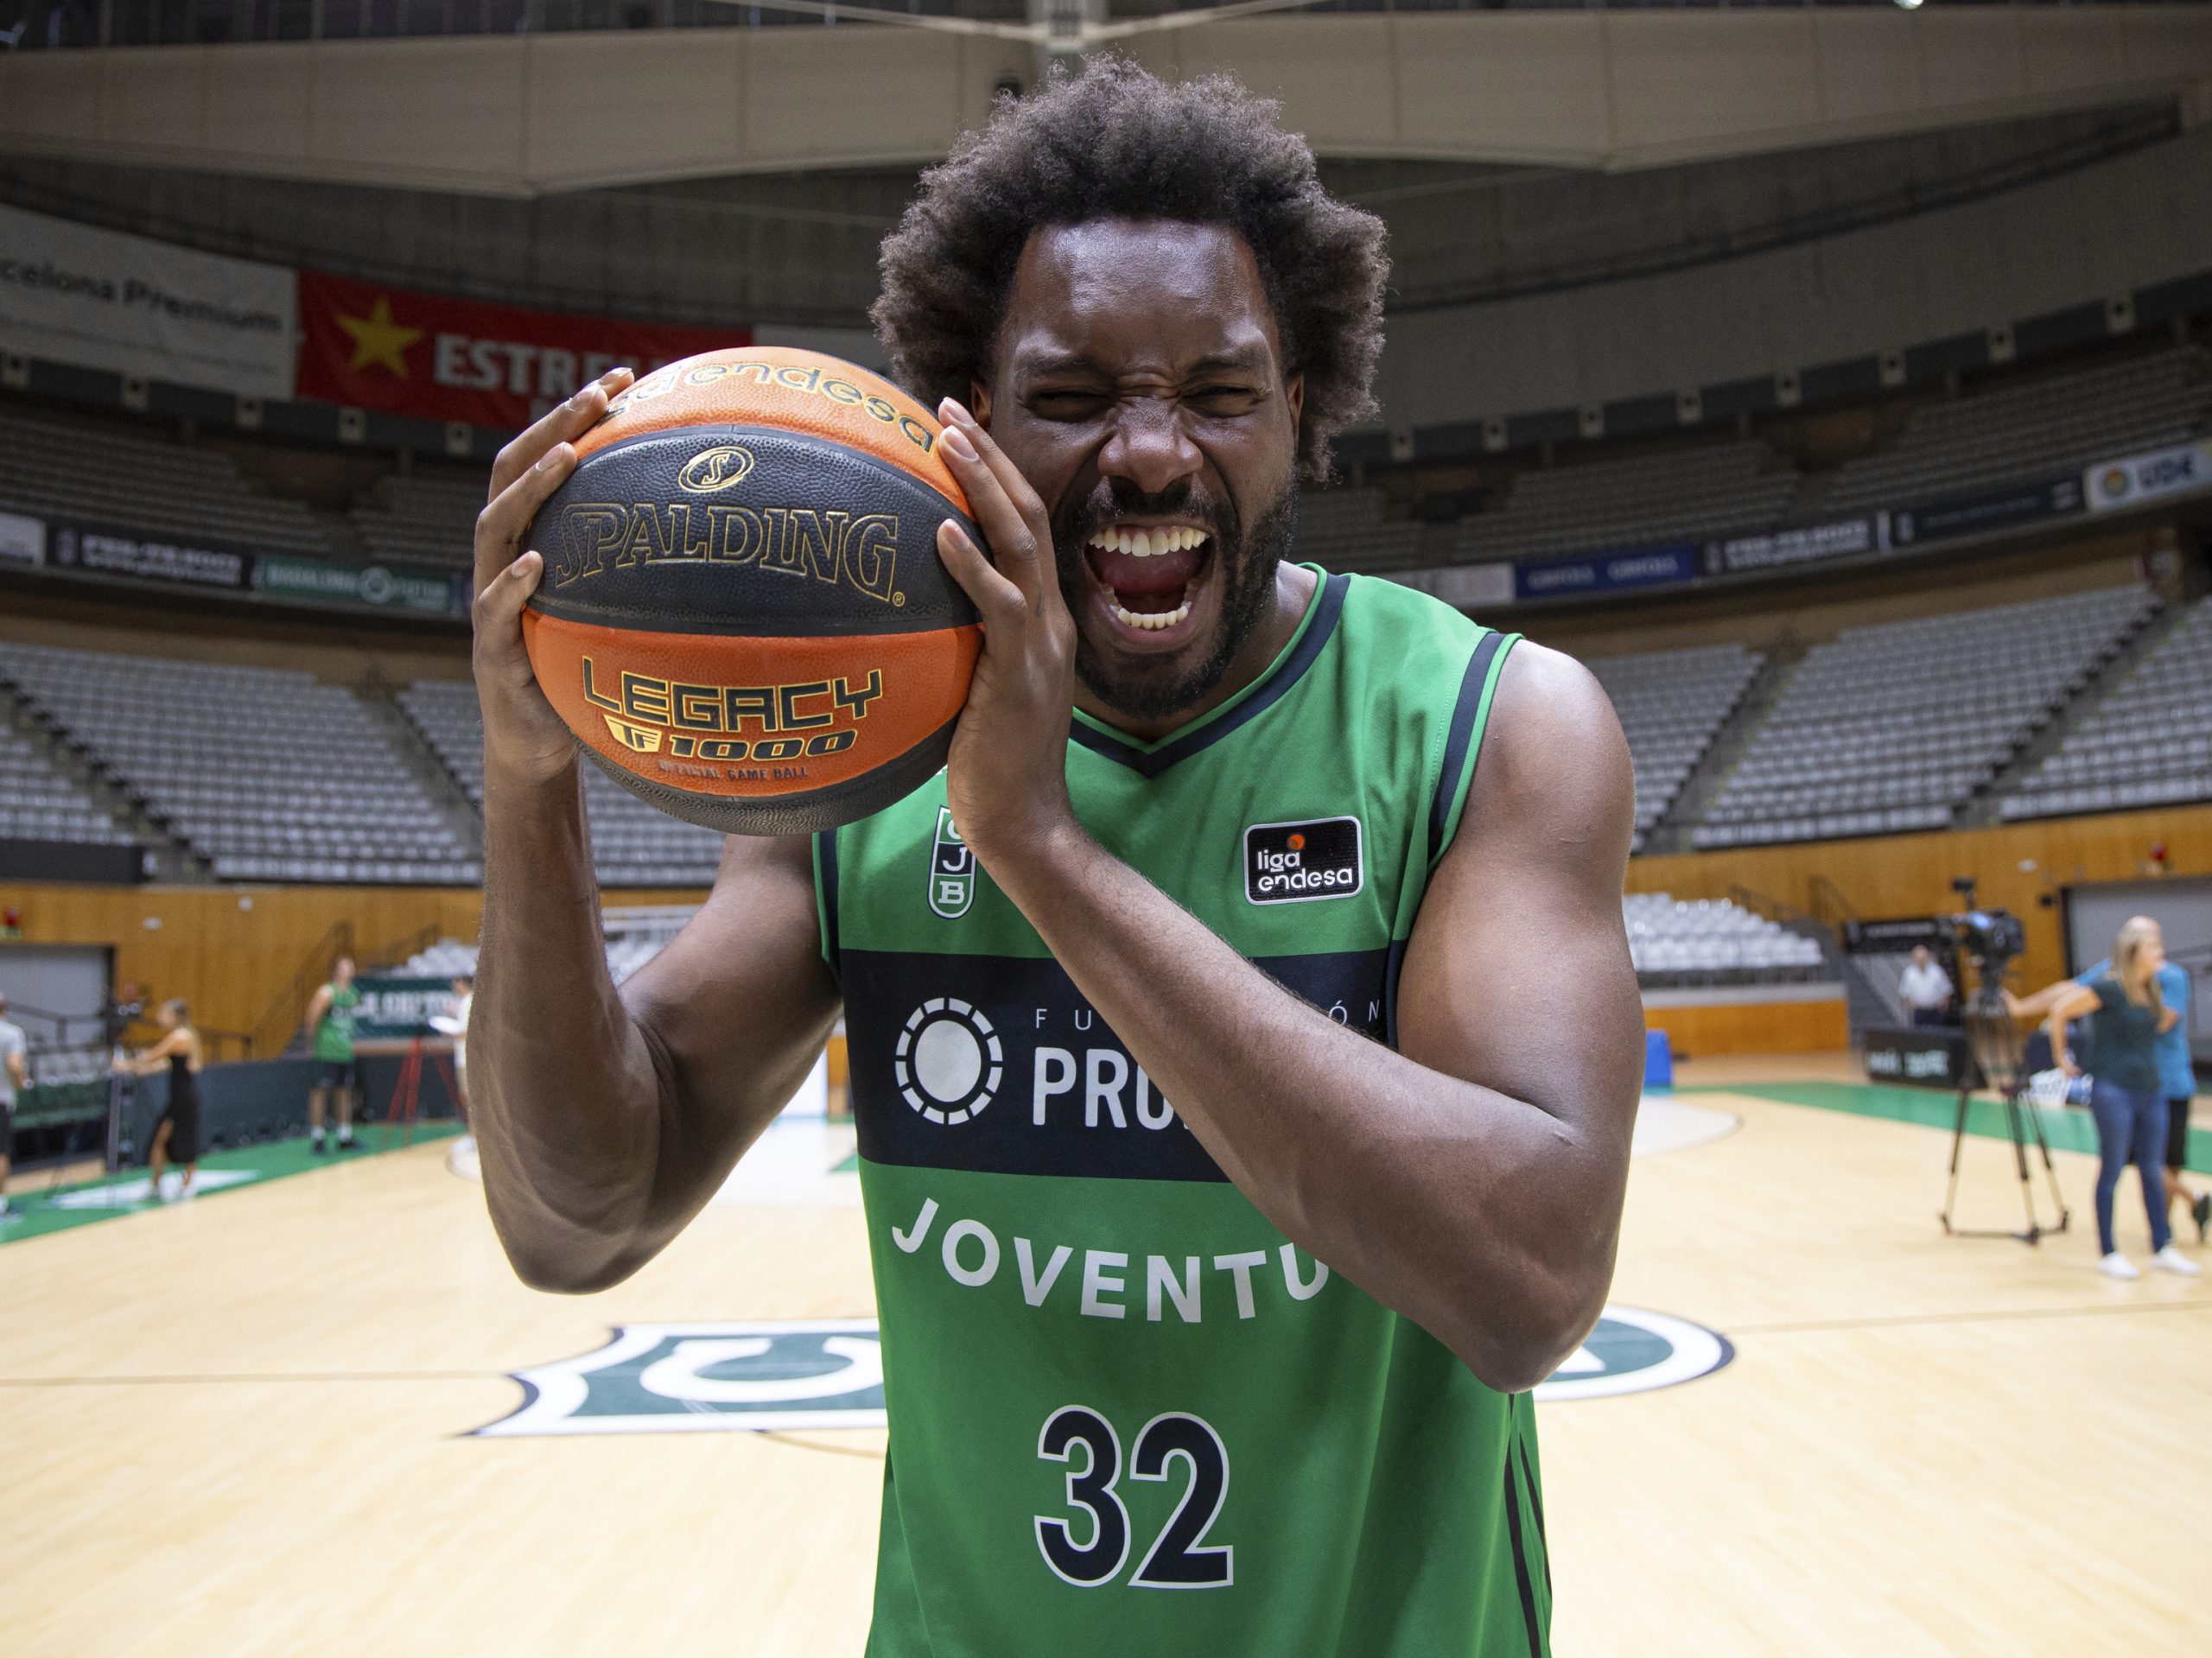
(380,697)
(1982,808)
(173,860)
(1710,775)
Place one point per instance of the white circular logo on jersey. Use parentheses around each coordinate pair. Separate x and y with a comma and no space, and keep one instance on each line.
(1632,1351)
(948,1062)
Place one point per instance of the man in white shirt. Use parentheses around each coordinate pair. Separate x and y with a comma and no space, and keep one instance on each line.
(1925,990)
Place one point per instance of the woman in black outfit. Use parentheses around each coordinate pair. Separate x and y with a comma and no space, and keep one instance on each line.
(176,1133)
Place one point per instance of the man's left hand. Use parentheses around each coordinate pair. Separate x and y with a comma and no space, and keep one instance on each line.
(1007,779)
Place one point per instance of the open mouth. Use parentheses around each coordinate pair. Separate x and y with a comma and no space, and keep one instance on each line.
(1148,570)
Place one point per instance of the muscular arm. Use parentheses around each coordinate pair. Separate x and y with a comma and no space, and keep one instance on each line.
(605,1120)
(1473,1179)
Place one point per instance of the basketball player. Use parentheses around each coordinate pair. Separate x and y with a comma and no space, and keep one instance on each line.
(176,1131)
(15,1076)
(460,1156)
(1232,1166)
(330,1017)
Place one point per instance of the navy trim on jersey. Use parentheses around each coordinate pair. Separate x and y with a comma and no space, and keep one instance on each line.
(1328,608)
(825,866)
(1461,733)
(1520,1563)
(1535,1496)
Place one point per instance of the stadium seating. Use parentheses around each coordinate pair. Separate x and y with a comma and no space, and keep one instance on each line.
(634,935)
(1671,704)
(2149,743)
(39,802)
(1345,530)
(2048,426)
(632,844)
(114,478)
(1681,494)
(1893,728)
(418,519)
(269,775)
(1712,938)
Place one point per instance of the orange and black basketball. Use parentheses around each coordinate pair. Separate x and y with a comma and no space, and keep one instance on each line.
(743,617)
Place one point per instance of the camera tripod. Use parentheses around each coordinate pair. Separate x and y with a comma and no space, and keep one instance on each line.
(1995,1044)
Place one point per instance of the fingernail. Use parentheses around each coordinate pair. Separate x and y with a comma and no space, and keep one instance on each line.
(551,458)
(951,409)
(957,441)
(613,375)
(581,401)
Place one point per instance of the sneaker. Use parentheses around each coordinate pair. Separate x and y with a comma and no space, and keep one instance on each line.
(2202,1209)
(2171,1260)
(318,1144)
(2116,1265)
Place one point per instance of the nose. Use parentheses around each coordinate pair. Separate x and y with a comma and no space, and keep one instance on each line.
(1148,447)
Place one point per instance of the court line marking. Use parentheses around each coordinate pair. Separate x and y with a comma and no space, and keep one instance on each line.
(2201,1304)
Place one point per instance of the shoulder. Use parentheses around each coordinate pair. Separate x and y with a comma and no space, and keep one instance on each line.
(1554,765)
(1397,616)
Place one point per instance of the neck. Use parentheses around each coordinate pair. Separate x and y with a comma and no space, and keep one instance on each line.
(1295,586)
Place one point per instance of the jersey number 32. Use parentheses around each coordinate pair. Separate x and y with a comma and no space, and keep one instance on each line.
(1177,1558)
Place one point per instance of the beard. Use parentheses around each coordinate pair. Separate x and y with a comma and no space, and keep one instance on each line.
(1245,560)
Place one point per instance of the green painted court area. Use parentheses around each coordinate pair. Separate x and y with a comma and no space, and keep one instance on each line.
(36,1213)
(2068,1128)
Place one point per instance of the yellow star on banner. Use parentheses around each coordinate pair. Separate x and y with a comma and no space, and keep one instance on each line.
(378,339)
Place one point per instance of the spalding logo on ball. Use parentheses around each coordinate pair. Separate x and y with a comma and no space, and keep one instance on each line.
(743,617)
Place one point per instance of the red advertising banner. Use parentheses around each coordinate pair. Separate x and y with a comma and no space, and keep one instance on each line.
(438,358)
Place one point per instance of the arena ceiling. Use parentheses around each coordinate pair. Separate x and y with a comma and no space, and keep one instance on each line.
(529,113)
(800,249)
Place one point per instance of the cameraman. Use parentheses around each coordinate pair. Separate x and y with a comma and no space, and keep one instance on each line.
(2128,1017)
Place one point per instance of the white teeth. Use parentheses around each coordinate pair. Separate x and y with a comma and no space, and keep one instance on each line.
(1151,623)
(1142,543)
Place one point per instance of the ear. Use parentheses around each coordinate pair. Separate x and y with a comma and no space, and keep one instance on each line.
(1294,392)
(979,402)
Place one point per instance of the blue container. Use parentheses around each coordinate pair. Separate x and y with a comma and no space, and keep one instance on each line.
(1658,1060)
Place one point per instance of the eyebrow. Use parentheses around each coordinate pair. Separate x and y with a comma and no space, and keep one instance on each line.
(1250,358)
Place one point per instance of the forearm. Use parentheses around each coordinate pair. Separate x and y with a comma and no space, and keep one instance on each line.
(1481,1216)
(566,1089)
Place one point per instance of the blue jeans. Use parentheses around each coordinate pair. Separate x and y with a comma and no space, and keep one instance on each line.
(2131,1127)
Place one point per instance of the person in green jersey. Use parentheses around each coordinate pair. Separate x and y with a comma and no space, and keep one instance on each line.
(1233,1166)
(330,1020)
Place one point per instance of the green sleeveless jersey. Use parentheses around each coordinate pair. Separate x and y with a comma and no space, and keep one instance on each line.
(334,1031)
(1127,1414)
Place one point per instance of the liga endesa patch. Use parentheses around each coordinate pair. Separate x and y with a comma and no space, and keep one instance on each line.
(1293,863)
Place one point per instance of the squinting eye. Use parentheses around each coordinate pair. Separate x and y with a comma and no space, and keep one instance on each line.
(1066,406)
(1225,399)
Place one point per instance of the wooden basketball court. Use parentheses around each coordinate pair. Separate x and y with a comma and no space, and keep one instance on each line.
(245,1426)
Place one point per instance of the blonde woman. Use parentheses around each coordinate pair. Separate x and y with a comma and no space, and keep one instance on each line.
(2126,1017)
(176,1133)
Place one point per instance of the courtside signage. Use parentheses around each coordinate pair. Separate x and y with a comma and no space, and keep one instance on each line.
(765,1377)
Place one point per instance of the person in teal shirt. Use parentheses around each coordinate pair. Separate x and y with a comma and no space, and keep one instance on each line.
(2177,1083)
(2127,1017)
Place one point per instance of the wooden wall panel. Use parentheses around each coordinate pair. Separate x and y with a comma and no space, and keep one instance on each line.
(228,951)
(1753,1028)
(2017,865)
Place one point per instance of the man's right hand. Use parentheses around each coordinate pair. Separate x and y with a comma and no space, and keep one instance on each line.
(524,738)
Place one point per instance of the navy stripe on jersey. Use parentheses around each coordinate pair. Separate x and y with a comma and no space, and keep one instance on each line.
(1150,762)
(1520,1563)
(1460,734)
(1535,1494)
(825,878)
(997,1064)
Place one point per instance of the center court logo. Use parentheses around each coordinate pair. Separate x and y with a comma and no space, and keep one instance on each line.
(948,1062)
(688,1378)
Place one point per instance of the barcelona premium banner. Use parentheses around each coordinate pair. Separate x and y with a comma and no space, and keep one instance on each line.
(437,358)
(72,294)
